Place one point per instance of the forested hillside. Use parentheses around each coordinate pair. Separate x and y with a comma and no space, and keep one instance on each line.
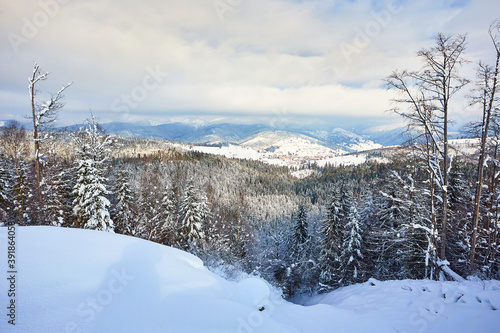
(339,226)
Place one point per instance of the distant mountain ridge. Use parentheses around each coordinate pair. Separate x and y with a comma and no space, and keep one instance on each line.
(227,133)
(355,139)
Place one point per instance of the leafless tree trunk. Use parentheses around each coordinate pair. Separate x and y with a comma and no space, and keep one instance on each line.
(43,114)
(428,93)
(487,87)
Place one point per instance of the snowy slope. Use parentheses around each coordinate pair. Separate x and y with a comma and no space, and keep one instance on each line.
(420,306)
(289,140)
(291,148)
(276,147)
(72,280)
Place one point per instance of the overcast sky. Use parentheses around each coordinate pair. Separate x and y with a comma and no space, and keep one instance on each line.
(151,60)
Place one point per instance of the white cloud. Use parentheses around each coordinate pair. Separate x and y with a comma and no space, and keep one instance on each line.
(264,54)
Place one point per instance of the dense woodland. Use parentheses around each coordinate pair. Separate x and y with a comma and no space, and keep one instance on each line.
(428,213)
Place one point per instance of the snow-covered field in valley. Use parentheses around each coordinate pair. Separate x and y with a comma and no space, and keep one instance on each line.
(71,280)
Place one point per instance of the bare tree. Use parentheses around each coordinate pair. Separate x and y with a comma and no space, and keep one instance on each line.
(43,114)
(14,141)
(428,93)
(485,96)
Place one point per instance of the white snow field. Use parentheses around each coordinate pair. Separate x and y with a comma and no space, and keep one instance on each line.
(71,280)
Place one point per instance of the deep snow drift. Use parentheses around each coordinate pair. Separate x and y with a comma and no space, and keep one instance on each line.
(72,280)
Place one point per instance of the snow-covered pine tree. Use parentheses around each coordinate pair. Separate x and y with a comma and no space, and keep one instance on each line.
(90,205)
(303,270)
(21,195)
(298,255)
(5,189)
(169,218)
(399,241)
(300,235)
(460,221)
(194,211)
(367,209)
(123,211)
(150,217)
(271,251)
(351,258)
(332,231)
(55,212)
(384,237)
(55,191)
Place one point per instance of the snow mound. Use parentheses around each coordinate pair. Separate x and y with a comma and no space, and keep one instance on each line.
(253,291)
(73,280)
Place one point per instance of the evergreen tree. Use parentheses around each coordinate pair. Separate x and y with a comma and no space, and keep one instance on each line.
(150,218)
(351,258)
(272,252)
(400,244)
(299,243)
(5,190)
(385,237)
(301,235)
(90,205)
(149,209)
(21,195)
(194,211)
(459,221)
(332,231)
(169,218)
(55,192)
(367,213)
(123,211)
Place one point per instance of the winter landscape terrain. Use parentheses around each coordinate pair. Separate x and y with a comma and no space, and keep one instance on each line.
(230,166)
(90,281)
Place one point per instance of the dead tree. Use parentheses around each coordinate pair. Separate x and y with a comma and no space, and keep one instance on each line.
(485,96)
(43,114)
(428,93)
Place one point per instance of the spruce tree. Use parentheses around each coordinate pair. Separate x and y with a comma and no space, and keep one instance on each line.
(150,218)
(123,211)
(90,205)
(5,190)
(21,194)
(169,218)
(332,231)
(55,193)
(194,211)
(459,222)
(351,258)
(300,235)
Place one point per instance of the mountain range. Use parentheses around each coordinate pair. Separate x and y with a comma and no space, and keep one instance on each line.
(227,133)
(353,139)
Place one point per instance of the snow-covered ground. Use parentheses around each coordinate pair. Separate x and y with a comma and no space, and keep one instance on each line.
(71,280)
(300,157)
(290,153)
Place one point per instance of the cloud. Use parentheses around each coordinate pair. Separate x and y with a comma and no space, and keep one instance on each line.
(314,57)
